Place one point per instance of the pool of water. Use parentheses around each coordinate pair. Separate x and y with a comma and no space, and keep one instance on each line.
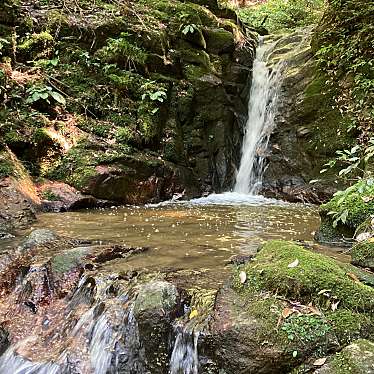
(201,234)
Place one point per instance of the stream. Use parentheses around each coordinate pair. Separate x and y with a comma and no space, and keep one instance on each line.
(199,235)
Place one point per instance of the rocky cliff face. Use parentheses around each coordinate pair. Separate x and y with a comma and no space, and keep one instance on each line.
(132,103)
(308,128)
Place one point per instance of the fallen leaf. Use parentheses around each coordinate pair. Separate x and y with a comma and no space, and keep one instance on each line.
(353,277)
(293,264)
(314,310)
(193,313)
(334,306)
(243,277)
(320,361)
(286,312)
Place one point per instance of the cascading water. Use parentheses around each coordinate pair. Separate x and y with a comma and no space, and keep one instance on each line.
(184,358)
(262,109)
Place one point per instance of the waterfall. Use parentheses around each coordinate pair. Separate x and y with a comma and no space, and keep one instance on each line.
(260,124)
(184,358)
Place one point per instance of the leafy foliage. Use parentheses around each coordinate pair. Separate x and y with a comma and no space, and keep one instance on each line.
(354,160)
(123,49)
(344,41)
(36,93)
(352,206)
(189,29)
(276,15)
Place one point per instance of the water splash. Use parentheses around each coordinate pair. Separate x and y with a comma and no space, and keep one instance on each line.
(260,124)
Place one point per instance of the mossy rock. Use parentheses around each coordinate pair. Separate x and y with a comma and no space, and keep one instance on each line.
(274,271)
(250,321)
(195,57)
(357,358)
(347,210)
(37,45)
(349,325)
(6,166)
(219,41)
(69,260)
(363,254)
(250,335)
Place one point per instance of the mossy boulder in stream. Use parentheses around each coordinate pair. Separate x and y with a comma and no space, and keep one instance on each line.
(286,306)
(343,215)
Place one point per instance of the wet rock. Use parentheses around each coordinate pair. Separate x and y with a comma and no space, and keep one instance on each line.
(69,260)
(137,181)
(306,124)
(18,199)
(240,259)
(357,358)
(5,235)
(4,340)
(154,297)
(36,238)
(37,286)
(16,210)
(157,304)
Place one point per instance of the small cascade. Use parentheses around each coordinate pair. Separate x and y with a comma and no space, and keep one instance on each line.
(185,358)
(260,124)
(104,339)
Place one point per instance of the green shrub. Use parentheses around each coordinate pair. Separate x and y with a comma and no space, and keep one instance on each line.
(276,15)
(121,49)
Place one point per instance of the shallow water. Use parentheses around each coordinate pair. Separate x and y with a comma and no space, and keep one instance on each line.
(201,234)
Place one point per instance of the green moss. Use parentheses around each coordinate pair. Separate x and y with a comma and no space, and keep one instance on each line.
(349,325)
(6,167)
(196,57)
(324,119)
(50,196)
(363,254)
(354,359)
(37,45)
(314,273)
(219,41)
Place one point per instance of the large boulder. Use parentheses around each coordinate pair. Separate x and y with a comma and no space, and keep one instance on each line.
(285,307)
(18,199)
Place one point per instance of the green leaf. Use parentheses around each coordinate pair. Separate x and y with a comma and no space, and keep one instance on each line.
(44,95)
(58,97)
